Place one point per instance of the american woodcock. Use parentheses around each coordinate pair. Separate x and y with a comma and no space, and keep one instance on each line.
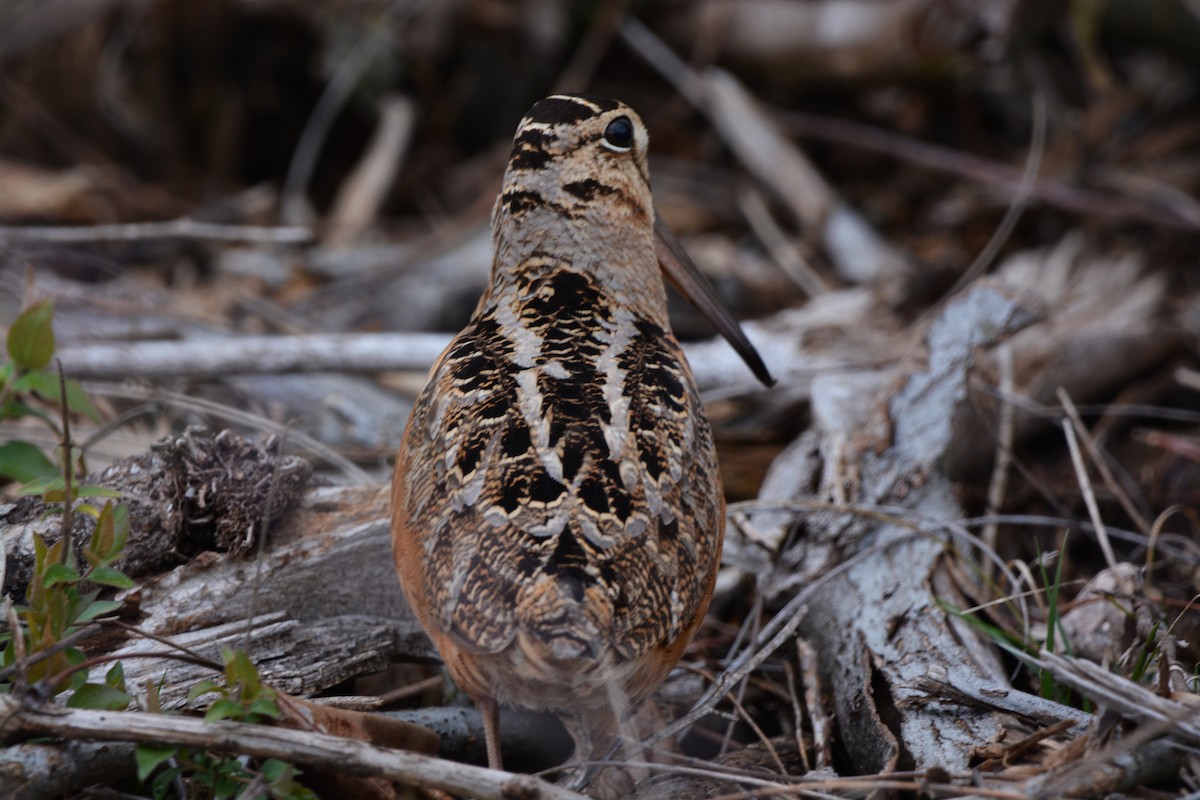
(557,515)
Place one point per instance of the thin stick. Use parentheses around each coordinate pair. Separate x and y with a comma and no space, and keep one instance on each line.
(981,170)
(304,159)
(68,459)
(253,355)
(783,252)
(261,741)
(1085,486)
(1020,200)
(1101,463)
(182,228)
(998,484)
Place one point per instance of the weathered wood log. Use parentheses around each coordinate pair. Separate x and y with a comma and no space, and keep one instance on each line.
(876,624)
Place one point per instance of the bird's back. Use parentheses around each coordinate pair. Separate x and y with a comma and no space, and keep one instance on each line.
(556,488)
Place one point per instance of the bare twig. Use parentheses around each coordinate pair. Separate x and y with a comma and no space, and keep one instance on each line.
(307,747)
(1053,193)
(1085,486)
(1033,164)
(182,228)
(212,358)
(1004,442)
(782,251)
(1101,463)
(293,208)
(68,461)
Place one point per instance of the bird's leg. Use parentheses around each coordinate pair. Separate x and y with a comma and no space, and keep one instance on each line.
(490,710)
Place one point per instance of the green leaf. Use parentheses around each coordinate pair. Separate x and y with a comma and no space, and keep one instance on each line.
(163,781)
(223,709)
(107,576)
(99,697)
(59,573)
(46,385)
(265,706)
(148,757)
(204,687)
(31,337)
(91,490)
(80,402)
(115,677)
(98,609)
(23,462)
(273,769)
(241,670)
(120,514)
(42,485)
(15,409)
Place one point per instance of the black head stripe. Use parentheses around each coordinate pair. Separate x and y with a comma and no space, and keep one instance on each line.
(557,110)
(568,108)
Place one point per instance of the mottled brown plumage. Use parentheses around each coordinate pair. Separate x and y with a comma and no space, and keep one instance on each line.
(557,515)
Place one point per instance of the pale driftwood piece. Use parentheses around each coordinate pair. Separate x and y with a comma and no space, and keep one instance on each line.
(318,606)
(183,228)
(844,38)
(305,747)
(857,251)
(1105,320)
(714,362)
(217,357)
(877,627)
(45,771)
(361,194)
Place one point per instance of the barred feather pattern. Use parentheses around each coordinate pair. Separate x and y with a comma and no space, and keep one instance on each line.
(557,511)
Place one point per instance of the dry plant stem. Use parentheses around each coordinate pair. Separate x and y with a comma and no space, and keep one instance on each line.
(362,352)
(1094,452)
(1059,195)
(293,208)
(86,631)
(587,55)
(1085,486)
(306,747)
(182,228)
(1021,199)
(1004,441)
(68,469)
(822,726)
(783,252)
(363,191)
(412,690)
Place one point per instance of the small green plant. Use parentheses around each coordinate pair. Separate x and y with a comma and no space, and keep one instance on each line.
(242,697)
(29,390)
(60,598)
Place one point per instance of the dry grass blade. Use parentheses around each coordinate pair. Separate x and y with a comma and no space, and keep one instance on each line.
(1085,485)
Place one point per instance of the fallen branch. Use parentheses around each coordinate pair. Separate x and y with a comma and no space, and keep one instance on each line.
(182,228)
(261,741)
(717,364)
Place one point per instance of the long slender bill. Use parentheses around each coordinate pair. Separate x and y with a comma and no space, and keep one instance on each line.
(683,274)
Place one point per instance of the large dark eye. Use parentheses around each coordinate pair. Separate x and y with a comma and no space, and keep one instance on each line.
(618,136)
